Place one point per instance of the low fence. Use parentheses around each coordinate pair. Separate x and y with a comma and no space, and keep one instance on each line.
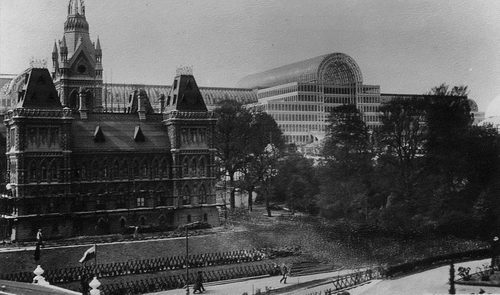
(178,281)
(426,263)
(350,280)
(72,274)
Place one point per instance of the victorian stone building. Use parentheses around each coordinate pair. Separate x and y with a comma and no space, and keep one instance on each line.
(72,169)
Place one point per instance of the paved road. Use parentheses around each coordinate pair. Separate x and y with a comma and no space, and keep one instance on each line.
(251,285)
(434,281)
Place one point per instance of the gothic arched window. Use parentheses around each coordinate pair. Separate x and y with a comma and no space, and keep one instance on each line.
(144,170)
(163,168)
(44,169)
(135,168)
(33,172)
(185,167)
(95,170)
(186,196)
(192,167)
(201,167)
(155,168)
(103,172)
(124,170)
(83,172)
(53,171)
(203,195)
(115,170)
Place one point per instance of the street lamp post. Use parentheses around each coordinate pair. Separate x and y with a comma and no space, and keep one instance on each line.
(187,261)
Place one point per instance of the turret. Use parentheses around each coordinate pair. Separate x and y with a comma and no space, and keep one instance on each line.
(54,53)
(64,50)
(98,51)
(98,59)
(76,17)
(55,60)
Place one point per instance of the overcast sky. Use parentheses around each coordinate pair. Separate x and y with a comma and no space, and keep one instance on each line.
(403,46)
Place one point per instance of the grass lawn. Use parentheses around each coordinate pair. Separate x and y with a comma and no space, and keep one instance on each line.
(250,231)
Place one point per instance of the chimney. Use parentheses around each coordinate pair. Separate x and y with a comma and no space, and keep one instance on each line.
(162,103)
(82,97)
(141,107)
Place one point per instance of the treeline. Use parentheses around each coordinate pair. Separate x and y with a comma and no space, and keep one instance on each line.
(426,169)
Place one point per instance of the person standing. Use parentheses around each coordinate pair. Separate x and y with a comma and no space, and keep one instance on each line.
(39,237)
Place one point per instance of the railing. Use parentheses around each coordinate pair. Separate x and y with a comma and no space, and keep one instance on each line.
(178,281)
(351,280)
(72,274)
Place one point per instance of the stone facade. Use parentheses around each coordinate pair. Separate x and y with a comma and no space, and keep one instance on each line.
(73,172)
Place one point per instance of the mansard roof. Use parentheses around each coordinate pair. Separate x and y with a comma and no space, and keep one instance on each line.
(335,68)
(39,91)
(185,96)
(119,133)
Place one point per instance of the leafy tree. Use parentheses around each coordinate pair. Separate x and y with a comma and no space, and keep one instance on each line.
(296,182)
(346,174)
(403,134)
(232,138)
(347,137)
(264,149)
(449,141)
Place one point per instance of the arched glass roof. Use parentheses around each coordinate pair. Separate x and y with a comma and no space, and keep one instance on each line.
(334,68)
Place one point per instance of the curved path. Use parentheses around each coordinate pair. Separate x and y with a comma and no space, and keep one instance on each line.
(434,281)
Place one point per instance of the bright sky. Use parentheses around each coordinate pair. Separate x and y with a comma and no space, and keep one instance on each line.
(405,46)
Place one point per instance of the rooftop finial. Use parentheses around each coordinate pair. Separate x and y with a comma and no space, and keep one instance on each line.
(74,8)
(38,63)
(184,70)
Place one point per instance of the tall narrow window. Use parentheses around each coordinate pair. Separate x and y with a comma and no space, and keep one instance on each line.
(44,172)
(33,172)
(53,172)
(203,195)
(186,196)
(185,168)
(201,168)
(83,172)
(144,170)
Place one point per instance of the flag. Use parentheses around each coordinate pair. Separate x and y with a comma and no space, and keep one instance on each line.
(88,255)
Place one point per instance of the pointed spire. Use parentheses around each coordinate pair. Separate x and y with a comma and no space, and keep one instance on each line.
(75,7)
(55,47)
(63,43)
(98,46)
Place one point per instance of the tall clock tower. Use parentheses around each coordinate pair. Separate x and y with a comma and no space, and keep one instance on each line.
(77,63)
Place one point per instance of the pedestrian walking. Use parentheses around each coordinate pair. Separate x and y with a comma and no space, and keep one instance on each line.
(284,272)
(198,283)
(39,237)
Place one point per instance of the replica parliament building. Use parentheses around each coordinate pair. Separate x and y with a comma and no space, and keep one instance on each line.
(73,169)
